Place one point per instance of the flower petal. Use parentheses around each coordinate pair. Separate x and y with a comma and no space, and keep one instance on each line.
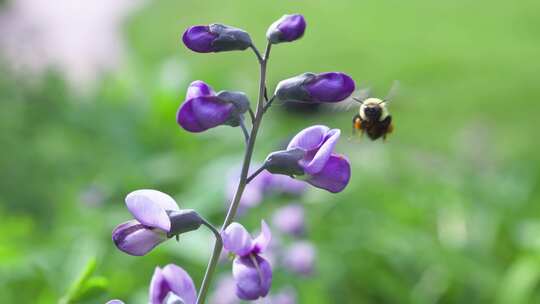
(198,38)
(250,283)
(180,283)
(159,288)
(202,113)
(309,138)
(330,87)
(134,238)
(114,302)
(199,88)
(323,153)
(149,207)
(261,242)
(335,175)
(237,239)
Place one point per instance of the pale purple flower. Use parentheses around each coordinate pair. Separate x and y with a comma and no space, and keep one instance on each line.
(215,38)
(286,29)
(290,219)
(115,302)
(172,282)
(310,156)
(316,88)
(252,273)
(151,224)
(300,257)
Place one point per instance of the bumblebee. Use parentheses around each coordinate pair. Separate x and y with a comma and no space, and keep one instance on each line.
(373,119)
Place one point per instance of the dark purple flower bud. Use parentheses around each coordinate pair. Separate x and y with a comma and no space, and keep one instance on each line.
(309,87)
(290,219)
(157,218)
(287,28)
(323,168)
(172,283)
(300,258)
(215,38)
(203,109)
(253,276)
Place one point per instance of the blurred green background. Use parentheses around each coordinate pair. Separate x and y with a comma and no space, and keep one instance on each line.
(446,211)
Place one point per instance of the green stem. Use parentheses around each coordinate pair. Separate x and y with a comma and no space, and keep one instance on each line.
(243,175)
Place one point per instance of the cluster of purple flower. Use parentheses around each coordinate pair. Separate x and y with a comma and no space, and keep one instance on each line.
(308,159)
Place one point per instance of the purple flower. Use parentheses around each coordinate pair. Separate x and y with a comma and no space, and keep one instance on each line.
(286,29)
(300,258)
(309,87)
(114,302)
(157,218)
(311,152)
(215,38)
(252,273)
(151,223)
(290,219)
(204,109)
(172,282)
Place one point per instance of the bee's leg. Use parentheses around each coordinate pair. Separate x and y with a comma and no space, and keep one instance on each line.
(356,126)
(389,127)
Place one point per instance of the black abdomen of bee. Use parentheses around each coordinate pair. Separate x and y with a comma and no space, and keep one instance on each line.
(377,129)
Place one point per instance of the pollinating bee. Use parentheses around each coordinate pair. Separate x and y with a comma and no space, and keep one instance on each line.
(373,118)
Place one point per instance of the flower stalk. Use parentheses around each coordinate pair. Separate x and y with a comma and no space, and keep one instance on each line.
(233,208)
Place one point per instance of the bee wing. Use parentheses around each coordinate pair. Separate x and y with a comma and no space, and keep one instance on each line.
(355,100)
(393,91)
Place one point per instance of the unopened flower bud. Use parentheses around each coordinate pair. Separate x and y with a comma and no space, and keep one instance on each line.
(309,87)
(285,162)
(215,38)
(286,29)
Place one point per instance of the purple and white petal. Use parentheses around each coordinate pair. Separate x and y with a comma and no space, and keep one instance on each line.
(180,283)
(149,207)
(261,242)
(159,288)
(237,239)
(335,176)
(136,239)
(321,156)
(309,139)
(199,88)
